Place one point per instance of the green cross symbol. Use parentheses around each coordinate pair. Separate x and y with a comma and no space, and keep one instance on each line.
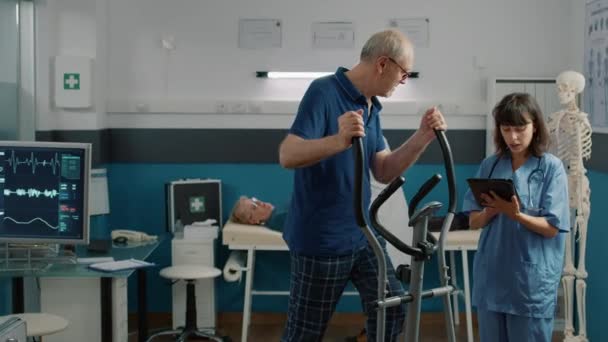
(197,204)
(71,81)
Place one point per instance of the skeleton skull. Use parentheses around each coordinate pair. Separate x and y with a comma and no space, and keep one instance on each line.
(566,93)
(569,84)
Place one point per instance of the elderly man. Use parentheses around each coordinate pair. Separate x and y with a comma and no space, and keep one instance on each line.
(326,245)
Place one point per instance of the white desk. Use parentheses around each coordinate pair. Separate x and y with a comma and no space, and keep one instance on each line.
(94,302)
(463,241)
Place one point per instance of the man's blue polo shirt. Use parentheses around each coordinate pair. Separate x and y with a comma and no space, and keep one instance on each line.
(321,217)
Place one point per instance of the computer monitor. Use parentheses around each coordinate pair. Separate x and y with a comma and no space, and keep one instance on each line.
(44,192)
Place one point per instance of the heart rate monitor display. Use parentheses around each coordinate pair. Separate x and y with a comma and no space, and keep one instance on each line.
(44,189)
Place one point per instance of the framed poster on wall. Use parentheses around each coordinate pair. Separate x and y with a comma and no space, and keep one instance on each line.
(596,64)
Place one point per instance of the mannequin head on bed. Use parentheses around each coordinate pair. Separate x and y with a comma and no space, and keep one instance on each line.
(250,210)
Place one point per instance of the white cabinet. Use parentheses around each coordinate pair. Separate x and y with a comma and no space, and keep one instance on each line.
(78,300)
(194,252)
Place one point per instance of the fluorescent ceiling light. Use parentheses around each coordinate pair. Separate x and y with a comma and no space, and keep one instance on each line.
(291,74)
(304,74)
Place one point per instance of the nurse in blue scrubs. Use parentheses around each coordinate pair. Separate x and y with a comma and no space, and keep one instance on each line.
(519,259)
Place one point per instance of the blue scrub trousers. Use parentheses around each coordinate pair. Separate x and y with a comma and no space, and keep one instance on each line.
(504,327)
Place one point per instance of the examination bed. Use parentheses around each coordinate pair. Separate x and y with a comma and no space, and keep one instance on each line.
(252,238)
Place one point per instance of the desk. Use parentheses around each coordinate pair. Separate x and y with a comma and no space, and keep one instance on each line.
(463,241)
(69,290)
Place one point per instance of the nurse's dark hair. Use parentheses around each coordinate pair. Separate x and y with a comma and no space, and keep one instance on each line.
(518,109)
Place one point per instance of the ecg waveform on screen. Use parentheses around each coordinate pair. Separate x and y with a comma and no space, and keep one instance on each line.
(14,162)
(32,193)
(30,222)
(67,217)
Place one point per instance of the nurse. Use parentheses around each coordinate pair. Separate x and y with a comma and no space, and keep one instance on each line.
(519,259)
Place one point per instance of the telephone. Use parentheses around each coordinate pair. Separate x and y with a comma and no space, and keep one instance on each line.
(125,235)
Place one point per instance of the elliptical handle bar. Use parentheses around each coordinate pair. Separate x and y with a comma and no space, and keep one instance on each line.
(448,161)
(395,241)
(359,158)
(358,194)
(422,192)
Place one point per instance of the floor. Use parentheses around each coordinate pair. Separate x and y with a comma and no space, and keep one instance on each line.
(269,327)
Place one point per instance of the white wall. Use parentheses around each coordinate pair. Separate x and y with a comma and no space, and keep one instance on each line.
(577,35)
(9,58)
(8,41)
(70,27)
(508,38)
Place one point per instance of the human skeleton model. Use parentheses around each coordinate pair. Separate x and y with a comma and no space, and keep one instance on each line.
(571,142)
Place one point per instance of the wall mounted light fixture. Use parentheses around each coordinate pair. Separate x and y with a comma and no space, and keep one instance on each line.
(290,74)
(304,74)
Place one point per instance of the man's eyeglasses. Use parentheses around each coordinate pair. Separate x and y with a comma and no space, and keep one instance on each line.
(406,74)
(255,202)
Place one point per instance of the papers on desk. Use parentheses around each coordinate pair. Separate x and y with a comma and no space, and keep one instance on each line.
(120,265)
(93,260)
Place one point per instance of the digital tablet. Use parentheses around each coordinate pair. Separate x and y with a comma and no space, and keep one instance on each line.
(504,188)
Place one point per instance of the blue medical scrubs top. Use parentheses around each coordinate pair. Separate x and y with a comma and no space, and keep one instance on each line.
(321,219)
(517,271)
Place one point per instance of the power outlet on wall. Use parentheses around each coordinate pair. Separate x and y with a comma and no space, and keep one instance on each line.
(450,108)
(221,107)
(255,107)
(238,107)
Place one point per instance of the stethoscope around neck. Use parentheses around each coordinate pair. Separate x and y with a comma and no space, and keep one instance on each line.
(537,170)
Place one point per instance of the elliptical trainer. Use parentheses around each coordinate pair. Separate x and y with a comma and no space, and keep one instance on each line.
(423,244)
